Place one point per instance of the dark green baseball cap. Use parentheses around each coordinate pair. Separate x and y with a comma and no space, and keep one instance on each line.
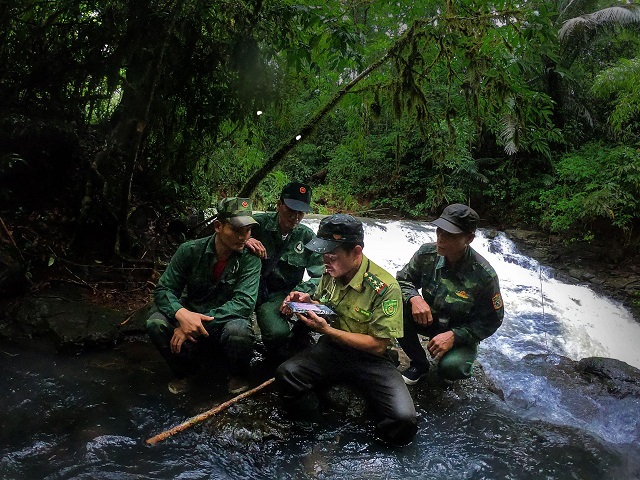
(236,210)
(297,196)
(457,218)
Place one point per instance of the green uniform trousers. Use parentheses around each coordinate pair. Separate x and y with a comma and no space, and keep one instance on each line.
(274,327)
(456,364)
(233,339)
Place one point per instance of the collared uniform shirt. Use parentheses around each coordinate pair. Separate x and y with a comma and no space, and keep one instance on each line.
(371,303)
(188,282)
(467,295)
(294,258)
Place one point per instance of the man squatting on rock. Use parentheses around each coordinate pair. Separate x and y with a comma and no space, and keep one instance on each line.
(354,347)
(205,299)
(460,303)
(279,239)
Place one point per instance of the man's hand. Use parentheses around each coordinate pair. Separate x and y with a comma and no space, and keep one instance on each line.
(294,297)
(256,247)
(314,322)
(421,311)
(440,344)
(179,337)
(191,323)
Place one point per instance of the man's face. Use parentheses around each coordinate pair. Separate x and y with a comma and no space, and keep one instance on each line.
(340,262)
(287,218)
(452,245)
(232,237)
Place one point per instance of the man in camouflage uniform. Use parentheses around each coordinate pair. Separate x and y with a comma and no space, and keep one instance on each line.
(279,239)
(460,303)
(205,298)
(355,346)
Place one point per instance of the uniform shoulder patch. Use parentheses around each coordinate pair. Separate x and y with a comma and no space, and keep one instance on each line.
(378,285)
(390,307)
(497,301)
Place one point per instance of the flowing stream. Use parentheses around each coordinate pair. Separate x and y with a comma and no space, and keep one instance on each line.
(87,416)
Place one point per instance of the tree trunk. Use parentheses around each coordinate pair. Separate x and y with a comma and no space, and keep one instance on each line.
(113,168)
(306,130)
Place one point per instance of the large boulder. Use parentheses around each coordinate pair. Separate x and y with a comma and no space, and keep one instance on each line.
(64,316)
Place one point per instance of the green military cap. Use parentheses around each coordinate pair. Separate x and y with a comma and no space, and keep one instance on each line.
(457,218)
(297,196)
(236,210)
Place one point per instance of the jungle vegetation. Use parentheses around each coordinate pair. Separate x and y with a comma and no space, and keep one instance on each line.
(527,110)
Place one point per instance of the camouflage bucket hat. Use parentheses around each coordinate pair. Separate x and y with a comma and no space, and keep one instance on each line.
(334,230)
(236,210)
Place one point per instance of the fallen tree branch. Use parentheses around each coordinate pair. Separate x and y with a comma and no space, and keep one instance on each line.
(207,414)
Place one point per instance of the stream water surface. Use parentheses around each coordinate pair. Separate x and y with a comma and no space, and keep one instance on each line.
(87,416)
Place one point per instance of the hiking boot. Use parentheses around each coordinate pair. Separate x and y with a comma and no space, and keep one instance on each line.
(178,386)
(414,373)
(238,384)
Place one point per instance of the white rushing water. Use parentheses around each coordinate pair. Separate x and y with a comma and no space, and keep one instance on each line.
(542,315)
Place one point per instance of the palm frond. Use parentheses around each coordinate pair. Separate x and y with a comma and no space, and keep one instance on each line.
(619,15)
(508,134)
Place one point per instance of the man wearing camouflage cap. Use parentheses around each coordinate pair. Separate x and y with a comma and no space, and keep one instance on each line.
(355,347)
(205,298)
(460,304)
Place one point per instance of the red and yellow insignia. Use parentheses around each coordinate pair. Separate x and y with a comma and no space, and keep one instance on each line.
(462,294)
(497,301)
(245,204)
(378,285)
(337,236)
(303,190)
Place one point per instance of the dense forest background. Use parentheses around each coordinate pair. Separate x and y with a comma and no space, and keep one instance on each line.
(118,117)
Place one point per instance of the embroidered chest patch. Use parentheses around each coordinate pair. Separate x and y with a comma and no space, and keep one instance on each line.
(299,248)
(497,301)
(462,294)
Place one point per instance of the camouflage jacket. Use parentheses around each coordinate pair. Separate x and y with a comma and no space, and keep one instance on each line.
(467,295)
(288,273)
(188,282)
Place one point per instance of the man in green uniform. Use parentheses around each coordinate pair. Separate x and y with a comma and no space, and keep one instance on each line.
(279,239)
(205,298)
(460,303)
(354,346)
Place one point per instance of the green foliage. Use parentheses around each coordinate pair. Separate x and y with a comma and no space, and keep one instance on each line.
(594,183)
(621,82)
(471,100)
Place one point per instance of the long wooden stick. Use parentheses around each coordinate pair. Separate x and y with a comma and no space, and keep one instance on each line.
(207,414)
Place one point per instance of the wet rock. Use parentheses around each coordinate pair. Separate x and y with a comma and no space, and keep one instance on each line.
(63,316)
(618,378)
